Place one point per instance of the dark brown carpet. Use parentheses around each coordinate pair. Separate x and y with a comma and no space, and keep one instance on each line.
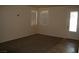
(39,43)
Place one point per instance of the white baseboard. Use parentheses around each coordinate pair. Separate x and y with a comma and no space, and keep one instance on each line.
(5,40)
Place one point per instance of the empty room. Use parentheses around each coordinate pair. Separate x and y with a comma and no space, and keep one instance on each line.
(39,29)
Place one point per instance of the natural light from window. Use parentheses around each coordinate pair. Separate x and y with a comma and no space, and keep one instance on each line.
(73,21)
(34,17)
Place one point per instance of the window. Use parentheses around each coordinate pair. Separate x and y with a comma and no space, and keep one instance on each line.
(34,17)
(43,17)
(73,21)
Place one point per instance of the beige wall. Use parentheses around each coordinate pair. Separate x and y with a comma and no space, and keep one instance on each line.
(58,22)
(13,26)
